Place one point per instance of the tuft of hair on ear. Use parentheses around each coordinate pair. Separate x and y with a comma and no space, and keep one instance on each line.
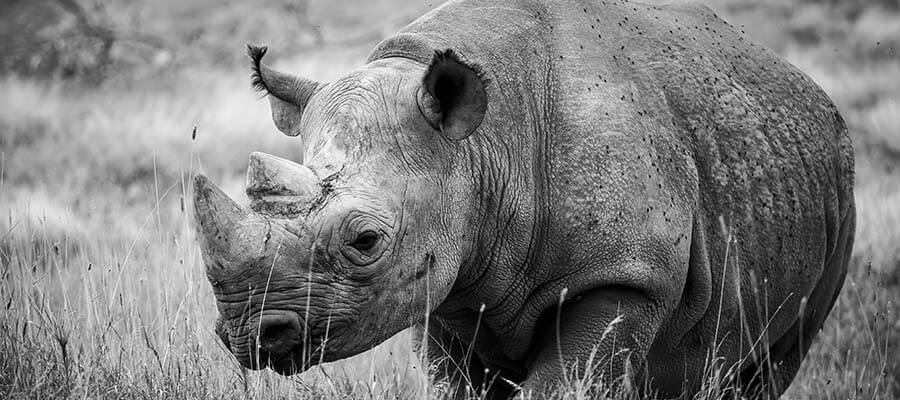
(256,53)
(448,57)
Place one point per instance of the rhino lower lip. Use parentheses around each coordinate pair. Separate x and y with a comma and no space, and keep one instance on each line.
(286,369)
(285,364)
(291,362)
(276,363)
(266,360)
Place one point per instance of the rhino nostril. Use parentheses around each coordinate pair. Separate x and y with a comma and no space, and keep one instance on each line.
(279,332)
(275,332)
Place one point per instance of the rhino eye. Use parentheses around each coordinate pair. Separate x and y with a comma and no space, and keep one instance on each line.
(365,241)
(364,238)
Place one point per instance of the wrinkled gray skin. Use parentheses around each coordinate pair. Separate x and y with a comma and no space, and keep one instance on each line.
(645,162)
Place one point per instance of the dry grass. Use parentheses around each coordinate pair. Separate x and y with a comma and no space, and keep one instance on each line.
(102,293)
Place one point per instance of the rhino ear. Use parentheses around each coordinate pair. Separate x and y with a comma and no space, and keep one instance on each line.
(453,98)
(288,94)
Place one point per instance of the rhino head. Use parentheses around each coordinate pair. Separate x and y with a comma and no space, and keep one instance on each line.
(366,234)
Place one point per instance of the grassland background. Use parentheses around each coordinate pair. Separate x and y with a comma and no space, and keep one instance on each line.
(101,290)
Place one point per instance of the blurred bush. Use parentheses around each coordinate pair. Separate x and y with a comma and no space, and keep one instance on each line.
(100,38)
(157,68)
(93,39)
(53,37)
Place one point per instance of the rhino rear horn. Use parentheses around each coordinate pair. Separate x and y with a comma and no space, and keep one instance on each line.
(453,98)
(288,94)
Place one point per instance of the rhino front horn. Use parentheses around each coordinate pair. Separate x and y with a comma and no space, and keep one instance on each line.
(213,209)
(229,235)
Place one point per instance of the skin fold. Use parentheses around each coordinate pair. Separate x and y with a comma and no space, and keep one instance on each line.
(544,190)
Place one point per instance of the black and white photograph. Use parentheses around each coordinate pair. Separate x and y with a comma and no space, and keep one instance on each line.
(462,199)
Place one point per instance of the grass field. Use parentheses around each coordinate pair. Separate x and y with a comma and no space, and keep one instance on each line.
(102,293)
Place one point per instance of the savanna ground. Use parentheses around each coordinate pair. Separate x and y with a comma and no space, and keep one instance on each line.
(102,293)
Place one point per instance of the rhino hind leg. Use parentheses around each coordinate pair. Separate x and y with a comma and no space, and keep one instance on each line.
(771,379)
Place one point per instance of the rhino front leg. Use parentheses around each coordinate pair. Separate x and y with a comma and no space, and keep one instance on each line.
(602,334)
(452,359)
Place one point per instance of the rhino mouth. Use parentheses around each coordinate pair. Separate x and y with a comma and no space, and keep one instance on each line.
(286,352)
(286,365)
(295,360)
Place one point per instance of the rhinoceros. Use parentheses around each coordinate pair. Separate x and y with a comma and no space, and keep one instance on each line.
(545,191)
